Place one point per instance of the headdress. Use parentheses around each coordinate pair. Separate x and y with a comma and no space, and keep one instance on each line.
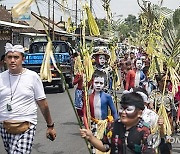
(16,48)
(101,52)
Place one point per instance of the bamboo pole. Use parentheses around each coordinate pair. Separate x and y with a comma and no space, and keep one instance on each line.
(62,76)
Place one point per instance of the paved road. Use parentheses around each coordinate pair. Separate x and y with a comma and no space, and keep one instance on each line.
(68,140)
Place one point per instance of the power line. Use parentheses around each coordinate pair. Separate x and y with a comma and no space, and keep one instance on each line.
(67,10)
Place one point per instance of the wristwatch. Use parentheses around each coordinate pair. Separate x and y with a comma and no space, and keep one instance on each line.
(50,126)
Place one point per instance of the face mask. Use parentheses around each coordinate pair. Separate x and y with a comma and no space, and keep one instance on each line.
(102,59)
(138,64)
(130,110)
(98,83)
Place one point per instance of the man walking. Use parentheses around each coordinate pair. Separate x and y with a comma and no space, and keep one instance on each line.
(21,91)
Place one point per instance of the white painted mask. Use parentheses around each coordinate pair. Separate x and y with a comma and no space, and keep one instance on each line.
(102,59)
(98,83)
(139,64)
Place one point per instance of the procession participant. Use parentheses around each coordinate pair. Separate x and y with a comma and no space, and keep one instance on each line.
(100,102)
(135,77)
(122,62)
(126,135)
(176,109)
(2,64)
(78,80)
(177,99)
(130,71)
(123,67)
(101,63)
(140,52)
(148,84)
(146,60)
(149,116)
(132,59)
(21,90)
(156,98)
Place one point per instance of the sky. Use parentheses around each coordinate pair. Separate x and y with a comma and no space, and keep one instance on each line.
(119,8)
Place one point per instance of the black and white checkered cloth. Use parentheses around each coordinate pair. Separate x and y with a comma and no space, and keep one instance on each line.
(20,143)
(94,131)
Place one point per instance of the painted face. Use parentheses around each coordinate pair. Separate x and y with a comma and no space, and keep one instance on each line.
(129,114)
(128,109)
(98,83)
(139,64)
(102,59)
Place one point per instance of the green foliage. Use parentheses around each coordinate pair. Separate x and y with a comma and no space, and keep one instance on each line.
(176,18)
(176,21)
(103,25)
(132,22)
(129,27)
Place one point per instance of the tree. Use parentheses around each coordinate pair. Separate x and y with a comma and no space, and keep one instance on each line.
(130,26)
(176,21)
(103,25)
(132,23)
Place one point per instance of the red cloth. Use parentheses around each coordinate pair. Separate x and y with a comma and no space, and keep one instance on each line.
(178,112)
(130,79)
(78,79)
(177,95)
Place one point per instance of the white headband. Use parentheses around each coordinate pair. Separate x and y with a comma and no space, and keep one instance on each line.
(15,48)
(143,95)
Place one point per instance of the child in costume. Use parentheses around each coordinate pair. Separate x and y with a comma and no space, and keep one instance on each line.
(128,134)
(101,63)
(100,103)
(78,80)
(135,77)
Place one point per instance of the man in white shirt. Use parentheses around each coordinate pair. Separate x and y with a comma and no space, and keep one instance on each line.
(21,91)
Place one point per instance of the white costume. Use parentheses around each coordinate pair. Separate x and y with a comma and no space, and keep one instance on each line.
(150,117)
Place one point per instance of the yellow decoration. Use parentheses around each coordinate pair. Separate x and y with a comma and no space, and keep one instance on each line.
(109,134)
(45,72)
(21,8)
(93,27)
(88,65)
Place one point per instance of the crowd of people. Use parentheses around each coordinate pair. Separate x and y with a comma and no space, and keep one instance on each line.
(136,115)
(131,124)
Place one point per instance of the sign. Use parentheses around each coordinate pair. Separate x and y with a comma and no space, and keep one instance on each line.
(174,139)
(25,17)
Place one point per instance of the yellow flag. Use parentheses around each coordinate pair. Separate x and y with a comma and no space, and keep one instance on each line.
(21,8)
(93,27)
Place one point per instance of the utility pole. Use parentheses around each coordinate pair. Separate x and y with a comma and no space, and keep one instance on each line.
(76,14)
(49,16)
(91,5)
(53,22)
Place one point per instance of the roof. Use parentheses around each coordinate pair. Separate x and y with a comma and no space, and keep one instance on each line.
(33,34)
(4,14)
(10,24)
(36,23)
